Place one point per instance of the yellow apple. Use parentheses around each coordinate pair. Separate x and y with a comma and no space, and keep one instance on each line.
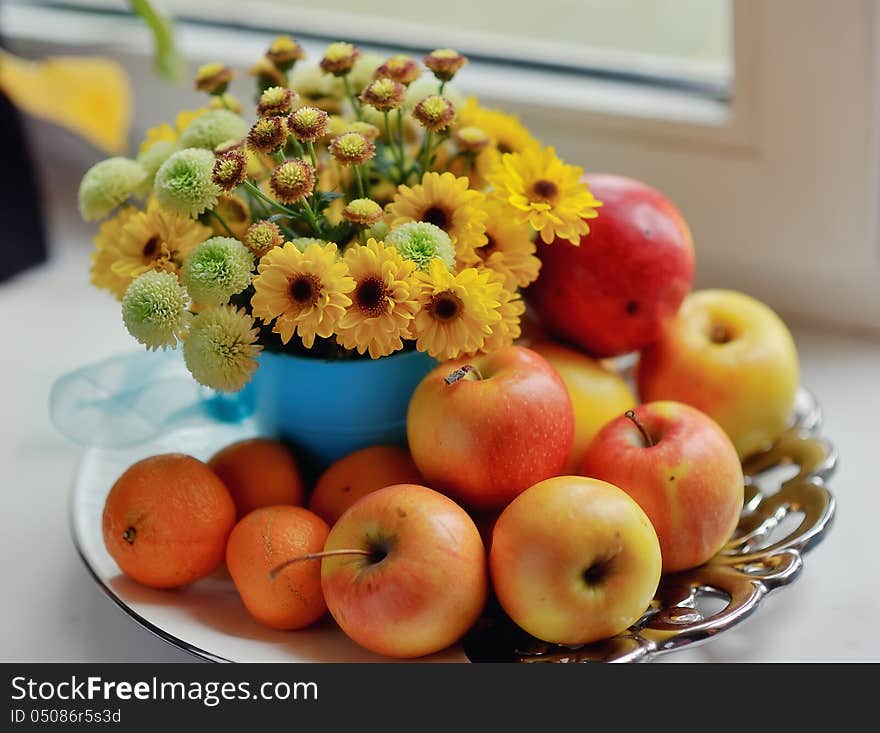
(574,560)
(730,356)
(598,394)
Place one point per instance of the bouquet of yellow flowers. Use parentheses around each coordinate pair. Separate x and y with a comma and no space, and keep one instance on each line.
(370,208)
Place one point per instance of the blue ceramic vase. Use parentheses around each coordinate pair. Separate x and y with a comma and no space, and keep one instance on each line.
(331,408)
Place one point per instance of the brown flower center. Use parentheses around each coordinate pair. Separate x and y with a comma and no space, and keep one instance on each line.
(545,189)
(446,306)
(151,248)
(371,296)
(504,148)
(485,251)
(304,290)
(436,216)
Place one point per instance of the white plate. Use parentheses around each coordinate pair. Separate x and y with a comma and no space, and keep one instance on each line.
(206,619)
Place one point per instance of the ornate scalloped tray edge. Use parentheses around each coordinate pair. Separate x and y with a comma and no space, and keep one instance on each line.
(788,510)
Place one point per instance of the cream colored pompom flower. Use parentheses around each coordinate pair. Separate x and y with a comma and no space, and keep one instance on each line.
(303,292)
(221,347)
(108,184)
(154,310)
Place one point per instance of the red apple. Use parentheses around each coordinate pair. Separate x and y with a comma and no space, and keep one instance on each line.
(682,469)
(485,429)
(420,581)
(574,560)
(612,293)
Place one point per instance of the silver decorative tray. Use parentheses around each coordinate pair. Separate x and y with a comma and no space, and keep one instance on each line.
(788,510)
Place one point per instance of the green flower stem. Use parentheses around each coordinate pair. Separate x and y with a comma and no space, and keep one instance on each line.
(354,102)
(360,180)
(222,223)
(313,156)
(442,87)
(313,219)
(278,157)
(272,202)
(255,202)
(297,146)
(222,98)
(400,138)
(428,144)
(389,142)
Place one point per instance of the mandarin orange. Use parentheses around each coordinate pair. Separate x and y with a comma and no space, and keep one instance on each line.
(359,474)
(259,472)
(166,520)
(261,542)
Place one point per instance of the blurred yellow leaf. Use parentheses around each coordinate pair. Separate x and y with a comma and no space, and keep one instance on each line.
(89,96)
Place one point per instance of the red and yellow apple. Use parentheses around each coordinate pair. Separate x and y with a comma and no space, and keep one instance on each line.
(485,429)
(574,560)
(683,471)
(597,393)
(730,356)
(611,293)
(420,581)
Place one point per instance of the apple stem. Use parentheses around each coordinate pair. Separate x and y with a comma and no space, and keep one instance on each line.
(462,372)
(273,573)
(632,416)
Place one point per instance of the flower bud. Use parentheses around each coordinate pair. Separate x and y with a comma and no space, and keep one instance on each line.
(401,68)
(285,52)
(364,212)
(268,134)
(352,148)
(214,78)
(384,94)
(308,124)
(339,58)
(292,181)
(445,63)
(435,113)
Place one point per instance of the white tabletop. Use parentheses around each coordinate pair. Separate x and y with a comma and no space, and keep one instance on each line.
(51,609)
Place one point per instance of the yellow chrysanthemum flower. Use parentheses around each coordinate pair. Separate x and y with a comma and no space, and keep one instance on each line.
(106,253)
(446,202)
(505,132)
(134,241)
(546,193)
(509,250)
(508,329)
(458,311)
(304,292)
(156,240)
(383,301)
(165,131)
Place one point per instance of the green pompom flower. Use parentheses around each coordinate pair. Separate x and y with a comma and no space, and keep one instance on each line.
(221,347)
(216,270)
(151,160)
(422,242)
(108,184)
(154,309)
(210,129)
(184,183)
